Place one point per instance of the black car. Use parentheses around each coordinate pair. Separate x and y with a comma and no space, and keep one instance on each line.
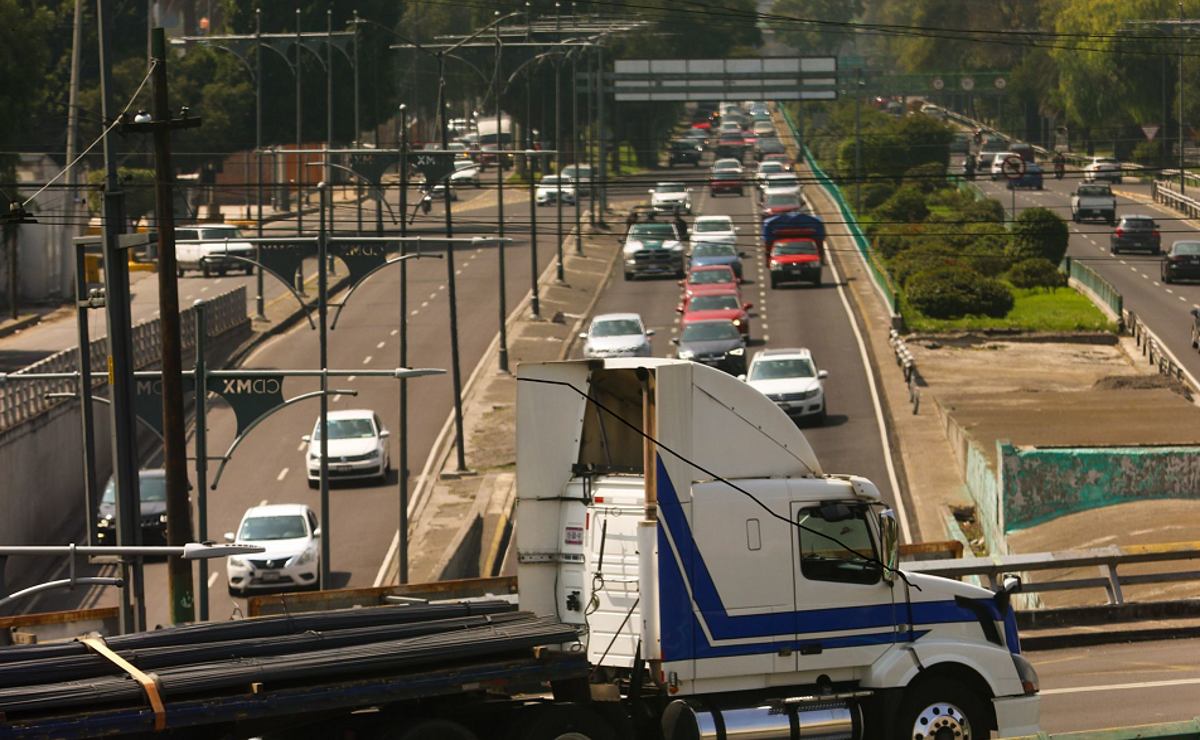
(768,145)
(152,490)
(716,343)
(683,151)
(1135,232)
(731,146)
(1182,262)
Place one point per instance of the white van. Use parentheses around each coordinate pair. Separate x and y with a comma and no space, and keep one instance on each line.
(209,247)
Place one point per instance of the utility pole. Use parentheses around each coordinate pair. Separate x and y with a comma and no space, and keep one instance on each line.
(451,290)
(535,308)
(559,269)
(502,277)
(858,85)
(120,358)
(1182,172)
(575,152)
(259,298)
(403,473)
(73,133)
(299,145)
(179,510)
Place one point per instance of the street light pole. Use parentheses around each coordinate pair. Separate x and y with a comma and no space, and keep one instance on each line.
(403,471)
(530,162)
(1182,177)
(323,362)
(558,239)
(451,290)
(502,277)
(259,298)
(299,144)
(858,141)
(575,153)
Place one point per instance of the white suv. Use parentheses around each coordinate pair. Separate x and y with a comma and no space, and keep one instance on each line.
(617,335)
(790,378)
(291,559)
(671,197)
(210,248)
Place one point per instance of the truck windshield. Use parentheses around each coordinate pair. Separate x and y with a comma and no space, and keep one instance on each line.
(797,247)
(836,544)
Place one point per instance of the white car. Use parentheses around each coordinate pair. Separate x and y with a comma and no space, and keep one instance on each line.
(671,197)
(465,172)
(357,445)
(784,182)
(763,128)
(768,168)
(790,379)
(581,175)
(208,248)
(548,190)
(1102,168)
(997,168)
(438,194)
(714,229)
(616,335)
(291,560)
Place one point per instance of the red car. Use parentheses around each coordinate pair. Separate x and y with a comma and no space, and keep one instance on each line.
(776,203)
(710,279)
(794,259)
(703,125)
(710,306)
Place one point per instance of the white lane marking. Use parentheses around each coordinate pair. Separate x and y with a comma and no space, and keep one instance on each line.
(394,332)
(1123,262)
(458,272)
(303,444)
(187,297)
(433,295)
(879,418)
(1122,686)
(380,345)
(204,289)
(766,338)
(423,304)
(351,378)
(441,287)
(218,281)
(337,397)
(212,579)
(416,311)
(263,502)
(1182,299)
(367,360)
(282,474)
(1145,276)
(1168,289)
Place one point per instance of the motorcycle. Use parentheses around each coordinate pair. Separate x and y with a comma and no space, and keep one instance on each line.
(1059,170)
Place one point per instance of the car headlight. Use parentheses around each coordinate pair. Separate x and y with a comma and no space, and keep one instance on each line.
(686,354)
(314,456)
(737,322)
(105,522)
(305,557)
(737,352)
(162,518)
(774,265)
(237,562)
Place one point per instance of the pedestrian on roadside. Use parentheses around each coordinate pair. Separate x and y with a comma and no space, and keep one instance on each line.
(631,219)
(681,227)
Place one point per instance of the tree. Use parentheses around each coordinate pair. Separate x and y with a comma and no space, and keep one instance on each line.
(24,65)
(1039,232)
(789,24)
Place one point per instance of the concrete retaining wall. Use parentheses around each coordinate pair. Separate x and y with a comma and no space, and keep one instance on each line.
(1040,484)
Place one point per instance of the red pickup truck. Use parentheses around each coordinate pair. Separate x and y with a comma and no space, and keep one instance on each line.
(794,248)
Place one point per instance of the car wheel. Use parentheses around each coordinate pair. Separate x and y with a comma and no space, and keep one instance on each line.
(774,281)
(314,483)
(823,414)
(1075,217)
(249,269)
(221,271)
(628,275)
(235,592)
(1195,339)
(1166,279)
(204,269)
(178,272)
(1114,251)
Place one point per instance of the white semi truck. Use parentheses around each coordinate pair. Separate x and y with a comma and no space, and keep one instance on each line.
(682,521)
(687,571)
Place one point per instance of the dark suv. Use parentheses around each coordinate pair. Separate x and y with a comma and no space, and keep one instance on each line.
(683,151)
(1135,232)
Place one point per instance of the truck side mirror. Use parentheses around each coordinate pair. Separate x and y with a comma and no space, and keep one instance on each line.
(229,537)
(306,438)
(889,535)
(822,374)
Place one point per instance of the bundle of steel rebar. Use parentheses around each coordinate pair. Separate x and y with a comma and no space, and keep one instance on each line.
(311,661)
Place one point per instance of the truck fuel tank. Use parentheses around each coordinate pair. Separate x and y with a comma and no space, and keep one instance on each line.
(691,720)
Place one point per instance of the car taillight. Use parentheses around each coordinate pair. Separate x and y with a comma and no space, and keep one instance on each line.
(1120,231)
(1154,233)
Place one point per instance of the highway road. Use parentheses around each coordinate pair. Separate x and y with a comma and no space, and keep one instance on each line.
(793,315)
(1164,308)
(268,467)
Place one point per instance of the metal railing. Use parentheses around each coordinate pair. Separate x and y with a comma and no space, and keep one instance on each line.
(1156,352)
(1103,290)
(908,365)
(1165,192)
(1106,560)
(20,402)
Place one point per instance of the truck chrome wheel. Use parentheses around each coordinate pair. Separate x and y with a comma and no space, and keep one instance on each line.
(941,720)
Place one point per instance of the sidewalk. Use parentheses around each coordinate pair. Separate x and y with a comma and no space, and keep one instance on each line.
(461,522)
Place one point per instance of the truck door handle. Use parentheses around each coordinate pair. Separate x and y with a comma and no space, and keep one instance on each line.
(812,649)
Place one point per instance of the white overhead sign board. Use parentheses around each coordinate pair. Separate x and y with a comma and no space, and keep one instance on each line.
(767,78)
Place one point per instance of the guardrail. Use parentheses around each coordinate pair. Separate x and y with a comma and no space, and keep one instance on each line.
(908,364)
(1163,192)
(1106,559)
(20,402)
(1156,352)
(1103,290)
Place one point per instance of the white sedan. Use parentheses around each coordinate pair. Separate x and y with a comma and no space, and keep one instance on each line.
(550,187)
(290,538)
(1102,168)
(357,446)
(671,197)
(713,229)
(617,335)
(465,172)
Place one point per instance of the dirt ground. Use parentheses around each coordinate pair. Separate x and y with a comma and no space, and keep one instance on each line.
(1055,392)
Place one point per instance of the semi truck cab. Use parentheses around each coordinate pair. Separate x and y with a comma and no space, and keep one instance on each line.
(759,590)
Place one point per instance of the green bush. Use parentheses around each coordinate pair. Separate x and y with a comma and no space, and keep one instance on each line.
(892,239)
(921,257)
(1037,272)
(987,257)
(906,205)
(988,210)
(1147,153)
(927,177)
(953,292)
(875,193)
(1039,232)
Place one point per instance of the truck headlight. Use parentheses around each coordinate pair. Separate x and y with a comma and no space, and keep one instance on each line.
(1027,674)
(686,354)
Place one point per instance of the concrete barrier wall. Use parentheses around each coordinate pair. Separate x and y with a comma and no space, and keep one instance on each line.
(1040,484)
(984,488)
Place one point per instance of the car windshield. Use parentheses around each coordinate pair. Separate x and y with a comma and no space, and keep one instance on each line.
(707,227)
(770,167)
(670,187)
(1137,223)
(731,138)
(259,528)
(1094,190)
(783,182)
(220,234)
(727,169)
(782,199)
(150,488)
(1186,248)
(802,247)
(616,328)
(708,331)
(713,303)
(655,231)
(713,249)
(553,180)
(711,277)
(460,166)
(347,429)
(775,369)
